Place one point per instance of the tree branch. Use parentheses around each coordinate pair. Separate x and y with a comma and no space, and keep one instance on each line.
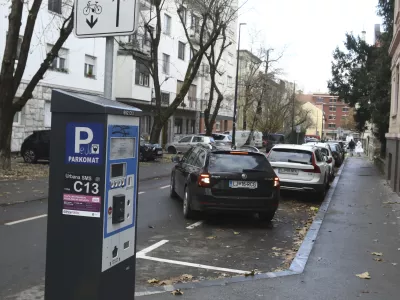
(65,32)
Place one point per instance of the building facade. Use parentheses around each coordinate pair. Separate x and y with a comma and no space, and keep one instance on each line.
(134,84)
(336,114)
(393,136)
(315,114)
(79,67)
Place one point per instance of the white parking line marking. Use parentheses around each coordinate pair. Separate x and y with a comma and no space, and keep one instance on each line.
(151,248)
(141,193)
(182,263)
(195,225)
(25,220)
(165,187)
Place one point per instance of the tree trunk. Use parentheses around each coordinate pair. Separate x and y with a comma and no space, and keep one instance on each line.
(156,130)
(6,123)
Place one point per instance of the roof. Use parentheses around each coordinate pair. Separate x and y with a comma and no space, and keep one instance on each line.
(293,146)
(321,145)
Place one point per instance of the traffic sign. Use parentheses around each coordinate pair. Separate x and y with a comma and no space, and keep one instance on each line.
(105,17)
(298,129)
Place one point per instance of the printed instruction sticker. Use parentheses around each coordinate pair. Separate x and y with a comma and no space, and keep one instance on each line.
(81,205)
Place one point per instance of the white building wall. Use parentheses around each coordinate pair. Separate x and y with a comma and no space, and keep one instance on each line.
(35,115)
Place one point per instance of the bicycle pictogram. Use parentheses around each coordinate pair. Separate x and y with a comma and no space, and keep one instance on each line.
(92,8)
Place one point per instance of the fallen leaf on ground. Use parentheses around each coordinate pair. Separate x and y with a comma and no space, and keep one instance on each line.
(377,259)
(364,275)
(213,237)
(277,249)
(177,292)
(377,253)
(236,232)
(186,277)
(313,208)
(153,280)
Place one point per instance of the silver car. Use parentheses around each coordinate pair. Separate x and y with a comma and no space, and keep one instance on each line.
(187,142)
(326,150)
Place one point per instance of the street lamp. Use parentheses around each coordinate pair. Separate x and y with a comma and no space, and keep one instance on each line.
(236,91)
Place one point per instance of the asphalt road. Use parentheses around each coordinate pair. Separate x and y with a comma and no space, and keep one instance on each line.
(218,245)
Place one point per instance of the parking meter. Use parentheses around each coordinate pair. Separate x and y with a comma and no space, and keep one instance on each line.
(92,205)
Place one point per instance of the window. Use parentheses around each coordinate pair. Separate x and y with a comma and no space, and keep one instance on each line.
(226,125)
(47,114)
(167,24)
(90,66)
(198,139)
(178,128)
(230,58)
(230,81)
(186,139)
(193,126)
(217,125)
(287,155)
(331,125)
(142,76)
(54,6)
(59,63)
(344,118)
(332,117)
(165,68)
(233,163)
(318,155)
(164,98)
(332,108)
(181,50)
(182,13)
(17,118)
(195,23)
(332,100)
(345,109)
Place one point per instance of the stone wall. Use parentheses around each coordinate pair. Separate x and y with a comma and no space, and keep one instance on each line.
(32,115)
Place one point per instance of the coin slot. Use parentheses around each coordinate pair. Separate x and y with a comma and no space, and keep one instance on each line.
(126,245)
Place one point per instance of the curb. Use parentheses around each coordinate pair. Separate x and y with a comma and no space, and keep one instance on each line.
(296,268)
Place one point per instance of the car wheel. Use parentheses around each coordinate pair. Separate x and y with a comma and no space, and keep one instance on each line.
(171,150)
(29,156)
(187,211)
(321,195)
(172,192)
(266,216)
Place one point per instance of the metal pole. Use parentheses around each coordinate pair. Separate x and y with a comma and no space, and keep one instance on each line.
(294,95)
(108,68)
(323,117)
(236,92)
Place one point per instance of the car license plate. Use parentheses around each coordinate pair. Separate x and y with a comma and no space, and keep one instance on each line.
(242,184)
(159,152)
(289,171)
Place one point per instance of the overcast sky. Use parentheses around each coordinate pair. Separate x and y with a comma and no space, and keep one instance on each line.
(308,31)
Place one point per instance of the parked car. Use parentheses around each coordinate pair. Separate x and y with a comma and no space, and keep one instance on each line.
(36,146)
(221,137)
(219,179)
(300,168)
(326,151)
(187,142)
(272,139)
(337,154)
(149,151)
(341,144)
(241,137)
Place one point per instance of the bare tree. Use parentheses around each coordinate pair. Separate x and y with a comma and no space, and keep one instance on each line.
(212,17)
(213,61)
(11,72)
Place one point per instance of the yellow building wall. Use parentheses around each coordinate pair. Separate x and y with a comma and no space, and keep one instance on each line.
(315,114)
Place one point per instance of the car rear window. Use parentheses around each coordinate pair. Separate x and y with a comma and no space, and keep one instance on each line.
(218,137)
(275,138)
(237,163)
(290,155)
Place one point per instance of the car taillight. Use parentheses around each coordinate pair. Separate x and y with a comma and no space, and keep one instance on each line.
(204,180)
(314,163)
(276,182)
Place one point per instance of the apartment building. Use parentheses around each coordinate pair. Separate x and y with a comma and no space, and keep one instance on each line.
(336,113)
(134,84)
(393,136)
(79,67)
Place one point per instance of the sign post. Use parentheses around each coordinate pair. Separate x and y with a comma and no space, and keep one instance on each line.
(298,129)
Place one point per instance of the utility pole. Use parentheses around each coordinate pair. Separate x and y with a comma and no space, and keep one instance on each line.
(236,92)
(294,96)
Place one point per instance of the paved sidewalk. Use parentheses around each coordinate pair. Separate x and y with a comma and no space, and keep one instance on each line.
(361,219)
(16,191)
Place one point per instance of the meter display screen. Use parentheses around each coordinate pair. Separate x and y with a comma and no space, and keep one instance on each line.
(122,148)
(117,170)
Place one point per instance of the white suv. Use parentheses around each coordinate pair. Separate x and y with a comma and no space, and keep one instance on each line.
(326,150)
(300,168)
